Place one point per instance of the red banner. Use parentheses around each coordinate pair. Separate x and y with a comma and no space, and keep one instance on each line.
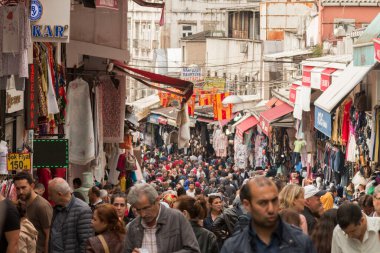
(377,49)
(326,78)
(31,98)
(306,76)
(293,93)
(264,124)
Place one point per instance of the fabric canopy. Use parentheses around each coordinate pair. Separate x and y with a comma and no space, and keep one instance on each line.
(376,44)
(340,88)
(154,5)
(180,87)
(245,125)
(271,115)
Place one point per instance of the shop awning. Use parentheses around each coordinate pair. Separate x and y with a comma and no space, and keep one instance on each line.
(142,106)
(340,88)
(273,114)
(273,102)
(179,87)
(245,125)
(158,120)
(205,120)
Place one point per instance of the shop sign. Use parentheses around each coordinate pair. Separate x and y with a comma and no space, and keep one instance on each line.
(214,83)
(18,161)
(109,4)
(306,76)
(322,121)
(31,98)
(192,74)
(377,49)
(264,124)
(14,101)
(50,153)
(50,20)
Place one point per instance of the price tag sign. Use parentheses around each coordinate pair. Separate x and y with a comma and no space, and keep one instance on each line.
(19,161)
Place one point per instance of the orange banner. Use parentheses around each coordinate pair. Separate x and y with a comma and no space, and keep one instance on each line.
(221,112)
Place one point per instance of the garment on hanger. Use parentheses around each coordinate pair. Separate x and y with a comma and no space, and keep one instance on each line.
(79,123)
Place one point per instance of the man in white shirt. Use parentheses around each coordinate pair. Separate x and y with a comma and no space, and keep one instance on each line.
(191,191)
(355,231)
(376,201)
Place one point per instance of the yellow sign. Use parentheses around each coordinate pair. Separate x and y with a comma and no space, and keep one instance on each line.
(214,82)
(19,161)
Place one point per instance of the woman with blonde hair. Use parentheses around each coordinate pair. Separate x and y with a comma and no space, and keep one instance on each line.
(292,197)
(110,231)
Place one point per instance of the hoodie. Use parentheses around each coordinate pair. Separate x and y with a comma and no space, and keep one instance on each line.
(27,242)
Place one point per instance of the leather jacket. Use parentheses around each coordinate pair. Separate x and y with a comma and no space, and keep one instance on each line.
(293,240)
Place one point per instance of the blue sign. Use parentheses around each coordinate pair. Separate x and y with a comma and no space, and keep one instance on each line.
(35,10)
(322,121)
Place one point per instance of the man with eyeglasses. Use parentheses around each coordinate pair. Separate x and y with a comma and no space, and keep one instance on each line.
(157,229)
(376,201)
(355,231)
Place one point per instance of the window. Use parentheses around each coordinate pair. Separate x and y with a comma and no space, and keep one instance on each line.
(187,30)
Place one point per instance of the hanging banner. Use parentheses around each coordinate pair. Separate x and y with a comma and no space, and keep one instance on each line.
(293,92)
(50,20)
(377,49)
(31,98)
(109,4)
(326,77)
(322,121)
(192,74)
(306,76)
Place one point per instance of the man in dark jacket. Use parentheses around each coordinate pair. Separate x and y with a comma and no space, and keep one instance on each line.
(157,228)
(71,224)
(266,232)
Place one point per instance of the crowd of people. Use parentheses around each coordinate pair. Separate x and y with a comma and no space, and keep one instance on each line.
(189,204)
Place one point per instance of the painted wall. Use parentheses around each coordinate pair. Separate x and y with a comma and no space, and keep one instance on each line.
(362,15)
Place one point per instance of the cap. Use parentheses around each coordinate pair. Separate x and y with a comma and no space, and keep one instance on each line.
(311,190)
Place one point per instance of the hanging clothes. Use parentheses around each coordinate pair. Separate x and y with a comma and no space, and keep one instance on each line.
(79,123)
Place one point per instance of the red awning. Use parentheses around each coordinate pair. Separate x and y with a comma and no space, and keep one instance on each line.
(245,125)
(205,120)
(272,114)
(376,45)
(326,78)
(181,88)
(306,76)
(273,102)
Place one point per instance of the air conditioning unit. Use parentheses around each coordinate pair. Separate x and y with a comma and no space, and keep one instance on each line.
(244,48)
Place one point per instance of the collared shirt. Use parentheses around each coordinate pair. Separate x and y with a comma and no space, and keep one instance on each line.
(261,247)
(341,243)
(149,240)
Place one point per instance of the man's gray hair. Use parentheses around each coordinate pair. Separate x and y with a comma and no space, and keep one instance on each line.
(60,185)
(142,189)
(377,190)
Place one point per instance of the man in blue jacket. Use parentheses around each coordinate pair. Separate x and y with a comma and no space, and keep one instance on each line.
(71,224)
(266,232)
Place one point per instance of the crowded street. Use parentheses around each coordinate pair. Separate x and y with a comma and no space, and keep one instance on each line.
(189,126)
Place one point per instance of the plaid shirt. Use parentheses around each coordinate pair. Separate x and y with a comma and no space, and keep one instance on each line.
(149,241)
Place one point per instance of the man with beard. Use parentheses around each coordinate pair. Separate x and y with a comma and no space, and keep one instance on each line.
(266,232)
(38,209)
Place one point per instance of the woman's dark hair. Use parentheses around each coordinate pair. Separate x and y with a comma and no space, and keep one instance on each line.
(181,191)
(196,207)
(21,208)
(107,214)
(211,198)
(366,201)
(323,231)
(118,195)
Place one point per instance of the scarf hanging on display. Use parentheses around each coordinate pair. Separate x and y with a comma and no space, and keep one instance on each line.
(113,110)
(79,123)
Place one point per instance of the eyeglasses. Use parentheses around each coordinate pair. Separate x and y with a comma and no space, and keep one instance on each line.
(377,198)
